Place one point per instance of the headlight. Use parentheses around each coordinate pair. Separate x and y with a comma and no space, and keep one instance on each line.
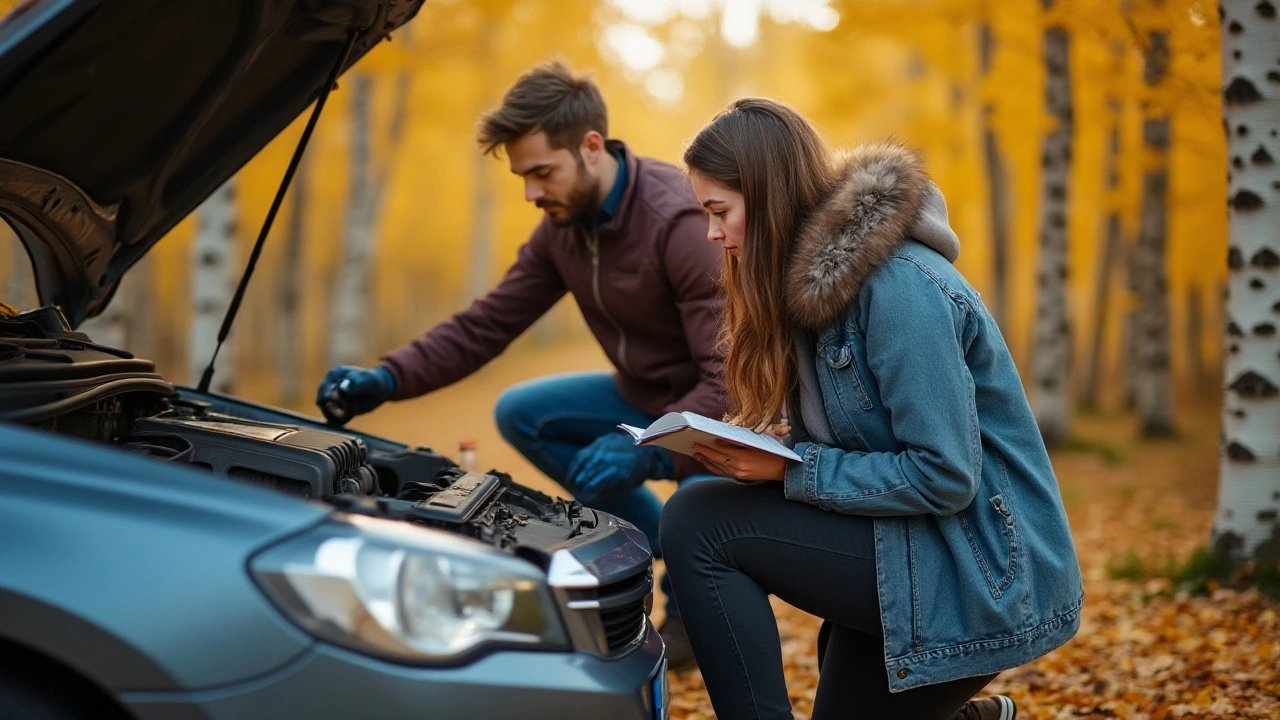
(397,591)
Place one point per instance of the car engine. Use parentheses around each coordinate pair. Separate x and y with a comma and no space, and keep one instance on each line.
(60,380)
(57,379)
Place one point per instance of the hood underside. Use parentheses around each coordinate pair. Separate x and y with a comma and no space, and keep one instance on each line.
(118,117)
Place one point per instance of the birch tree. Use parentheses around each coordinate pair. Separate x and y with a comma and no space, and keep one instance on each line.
(351,299)
(213,282)
(351,287)
(1249,481)
(289,344)
(997,181)
(127,321)
(1051,362)
(1152,377)
(483,205)
(1112,240)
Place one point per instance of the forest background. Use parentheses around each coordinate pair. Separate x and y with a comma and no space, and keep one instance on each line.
(1035,117)
(936,74)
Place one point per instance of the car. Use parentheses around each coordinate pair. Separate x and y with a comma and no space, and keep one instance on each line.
(170,552)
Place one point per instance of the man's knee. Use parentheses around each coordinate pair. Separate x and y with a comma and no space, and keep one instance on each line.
(511,413)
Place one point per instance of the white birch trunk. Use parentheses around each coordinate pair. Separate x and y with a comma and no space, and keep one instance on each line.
(1112,231)
(111,326)
(483,230)
(1051,360)
(289,341)
(483,203)
(349,311)
(1249,482)
(998,187)
(391,332)
(1152,374)
(1112,237)
(213,282)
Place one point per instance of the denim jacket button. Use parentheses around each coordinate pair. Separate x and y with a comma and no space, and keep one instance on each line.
(841,358)
(902,674)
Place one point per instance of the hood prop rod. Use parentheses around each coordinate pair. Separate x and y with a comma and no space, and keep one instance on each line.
(207,378)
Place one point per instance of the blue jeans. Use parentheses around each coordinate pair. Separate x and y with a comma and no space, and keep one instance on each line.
(551,418)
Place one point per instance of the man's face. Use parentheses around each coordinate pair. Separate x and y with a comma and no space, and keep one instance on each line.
(555,180)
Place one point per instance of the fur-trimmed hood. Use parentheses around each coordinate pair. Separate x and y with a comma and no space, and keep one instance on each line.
(881,198)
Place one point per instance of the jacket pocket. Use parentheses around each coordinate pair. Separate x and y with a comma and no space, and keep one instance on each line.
(993,537)
(848,384)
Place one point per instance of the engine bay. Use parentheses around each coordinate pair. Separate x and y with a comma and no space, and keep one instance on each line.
(59,380)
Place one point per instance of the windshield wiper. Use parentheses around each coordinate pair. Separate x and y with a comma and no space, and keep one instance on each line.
(207,378)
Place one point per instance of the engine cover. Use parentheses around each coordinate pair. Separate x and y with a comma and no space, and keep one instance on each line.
(48,372)
(294,460)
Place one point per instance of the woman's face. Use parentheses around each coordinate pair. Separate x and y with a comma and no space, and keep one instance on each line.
(728,212)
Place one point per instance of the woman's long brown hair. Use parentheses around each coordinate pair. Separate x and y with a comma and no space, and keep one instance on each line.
(773,156)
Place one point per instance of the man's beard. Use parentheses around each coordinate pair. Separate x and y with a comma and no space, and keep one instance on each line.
(580,203)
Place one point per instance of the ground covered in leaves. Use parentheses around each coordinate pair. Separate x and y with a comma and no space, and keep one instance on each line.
(1147,648)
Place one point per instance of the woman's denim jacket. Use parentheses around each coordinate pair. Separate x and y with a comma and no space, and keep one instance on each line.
(934,438)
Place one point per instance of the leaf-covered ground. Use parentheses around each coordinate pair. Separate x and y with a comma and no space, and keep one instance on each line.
(1145,651)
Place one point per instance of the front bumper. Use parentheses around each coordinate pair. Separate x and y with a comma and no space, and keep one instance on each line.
(330,682)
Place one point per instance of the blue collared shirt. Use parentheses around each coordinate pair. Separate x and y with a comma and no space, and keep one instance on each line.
(609,207)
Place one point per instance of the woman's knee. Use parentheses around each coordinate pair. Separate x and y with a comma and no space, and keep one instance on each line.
(688,516)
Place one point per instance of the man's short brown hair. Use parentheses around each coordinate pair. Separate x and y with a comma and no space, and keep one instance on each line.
(549,98)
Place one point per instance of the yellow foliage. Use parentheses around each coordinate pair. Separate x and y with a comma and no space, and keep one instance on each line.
(908,69)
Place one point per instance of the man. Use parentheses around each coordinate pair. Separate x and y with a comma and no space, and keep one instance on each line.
(626,236)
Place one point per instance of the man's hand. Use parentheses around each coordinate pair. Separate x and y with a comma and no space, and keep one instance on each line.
(614,464)
(348,391)
(741,463)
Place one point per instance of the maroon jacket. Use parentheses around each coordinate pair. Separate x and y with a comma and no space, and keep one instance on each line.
(647,283)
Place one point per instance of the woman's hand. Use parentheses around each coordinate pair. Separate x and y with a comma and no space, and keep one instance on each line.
(779,430)
(741,463)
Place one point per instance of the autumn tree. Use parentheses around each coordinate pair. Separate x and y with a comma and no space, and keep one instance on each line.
(1249,483)
(1152,372)
(289,288)
(484,201)
(997,174)
(351,303)
(127,321)
(1112,232)
(212,284)
(1051,362)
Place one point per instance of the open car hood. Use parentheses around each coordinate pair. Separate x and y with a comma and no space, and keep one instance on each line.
(118,117)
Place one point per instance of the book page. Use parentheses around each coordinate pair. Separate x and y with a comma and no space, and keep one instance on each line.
(667,423)
(740,435)
(679,431)
(635,432)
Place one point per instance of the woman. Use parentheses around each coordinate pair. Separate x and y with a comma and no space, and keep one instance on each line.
(924,524)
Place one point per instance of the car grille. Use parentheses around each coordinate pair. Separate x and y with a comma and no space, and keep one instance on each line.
(622,616)
(622,625)
(609,619)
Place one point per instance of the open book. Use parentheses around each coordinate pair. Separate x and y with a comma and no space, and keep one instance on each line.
(678,431)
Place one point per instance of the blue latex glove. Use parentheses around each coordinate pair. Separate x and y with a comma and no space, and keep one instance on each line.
(347,391)
(613,464)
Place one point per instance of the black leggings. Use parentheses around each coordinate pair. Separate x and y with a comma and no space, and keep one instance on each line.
(728,546)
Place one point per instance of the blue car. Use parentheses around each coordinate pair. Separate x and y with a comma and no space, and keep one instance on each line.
(169,552)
